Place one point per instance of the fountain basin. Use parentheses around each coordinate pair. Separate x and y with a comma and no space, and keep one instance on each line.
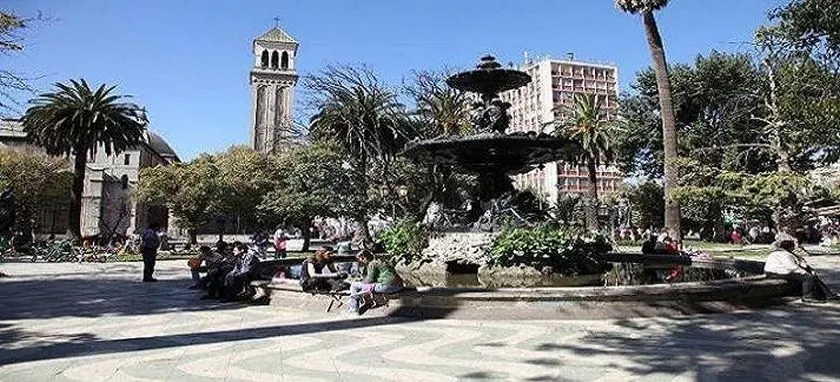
(490,152)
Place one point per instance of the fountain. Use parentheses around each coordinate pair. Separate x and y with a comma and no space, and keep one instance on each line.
(491,154)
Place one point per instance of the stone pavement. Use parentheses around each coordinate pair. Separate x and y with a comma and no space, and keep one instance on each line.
(97,322)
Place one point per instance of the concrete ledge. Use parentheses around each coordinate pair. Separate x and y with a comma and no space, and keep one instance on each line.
(566,303)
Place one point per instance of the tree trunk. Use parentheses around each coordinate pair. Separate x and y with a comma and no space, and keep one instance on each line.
(592,204)
(362,238)
(74,224)
(193,236)
(306,233)
(669,124)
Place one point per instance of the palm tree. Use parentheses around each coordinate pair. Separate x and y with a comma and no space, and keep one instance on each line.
(588,126)
(443,110)
(77,121)
(669,125)
(364,118)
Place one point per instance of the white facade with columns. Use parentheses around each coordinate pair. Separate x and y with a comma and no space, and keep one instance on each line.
(273,79)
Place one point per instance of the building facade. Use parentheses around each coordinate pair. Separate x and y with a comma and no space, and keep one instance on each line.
(273,79)
(547,98)
(107,205)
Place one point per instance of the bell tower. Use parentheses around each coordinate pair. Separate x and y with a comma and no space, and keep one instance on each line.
(273,79)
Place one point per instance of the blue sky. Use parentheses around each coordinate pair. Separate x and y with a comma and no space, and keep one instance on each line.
(187,61)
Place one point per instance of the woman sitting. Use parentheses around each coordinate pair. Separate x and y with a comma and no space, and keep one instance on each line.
(380,277)
(312,275)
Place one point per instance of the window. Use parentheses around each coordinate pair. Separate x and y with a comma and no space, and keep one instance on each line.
(127,159)
(284,60)
(264,59)
(275,60)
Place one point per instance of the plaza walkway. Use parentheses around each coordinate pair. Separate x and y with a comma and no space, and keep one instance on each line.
(96,322)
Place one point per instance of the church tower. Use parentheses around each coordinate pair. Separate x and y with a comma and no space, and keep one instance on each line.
(273,80)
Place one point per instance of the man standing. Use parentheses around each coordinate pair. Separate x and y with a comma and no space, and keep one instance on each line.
(149,243)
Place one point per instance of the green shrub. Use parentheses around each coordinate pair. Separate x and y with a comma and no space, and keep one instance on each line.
(405,241)
(549,248)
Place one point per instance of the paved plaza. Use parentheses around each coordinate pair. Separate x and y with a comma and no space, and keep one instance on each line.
(97,322)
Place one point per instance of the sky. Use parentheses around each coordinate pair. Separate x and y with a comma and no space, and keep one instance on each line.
(187,61)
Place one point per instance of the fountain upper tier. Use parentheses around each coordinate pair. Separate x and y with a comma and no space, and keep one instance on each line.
(489,79)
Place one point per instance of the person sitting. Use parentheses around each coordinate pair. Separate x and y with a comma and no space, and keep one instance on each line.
(209,258)
(380,277)
(246,266)
(312,275)
(783,263)
(649,246)
(224,263)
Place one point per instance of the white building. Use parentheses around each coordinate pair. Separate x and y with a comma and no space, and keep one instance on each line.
(552,89)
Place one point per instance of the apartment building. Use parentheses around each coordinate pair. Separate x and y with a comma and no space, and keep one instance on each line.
(546,99)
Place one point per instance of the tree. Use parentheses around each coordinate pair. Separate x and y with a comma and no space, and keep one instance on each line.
(244,177)
(811,27)
(362,116)
(441,110)
(11,41)
(312,183)
(588,125)
(190,190)
(669,128)
(78,121)
(647,206)
(35,179)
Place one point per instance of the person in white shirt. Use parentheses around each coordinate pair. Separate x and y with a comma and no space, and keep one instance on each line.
(783,263)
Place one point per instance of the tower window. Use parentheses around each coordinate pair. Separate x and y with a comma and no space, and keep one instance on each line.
(127,159)
(275,59)
(284,60)
(264,59)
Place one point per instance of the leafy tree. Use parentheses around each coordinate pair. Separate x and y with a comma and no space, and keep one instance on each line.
(589,126)
(35,179)
(362,116)
(312,183)
(669,129)
(192,191)
(811,27)
(78,121)
(647,204)
(245,176)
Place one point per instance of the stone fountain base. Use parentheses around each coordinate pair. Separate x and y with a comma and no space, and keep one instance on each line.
(456,259)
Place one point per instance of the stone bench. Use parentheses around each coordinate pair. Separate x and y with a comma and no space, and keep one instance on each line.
(291,288)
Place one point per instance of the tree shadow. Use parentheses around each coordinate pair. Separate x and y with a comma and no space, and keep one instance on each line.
(792,343)
(87,344)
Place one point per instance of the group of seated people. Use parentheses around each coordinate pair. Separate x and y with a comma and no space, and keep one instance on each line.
(229,270)
(229,273)
(319,273)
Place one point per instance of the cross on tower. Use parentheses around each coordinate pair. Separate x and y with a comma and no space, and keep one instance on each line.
(277,22)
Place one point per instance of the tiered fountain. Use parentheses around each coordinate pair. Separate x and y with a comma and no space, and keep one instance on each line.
(493,155)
